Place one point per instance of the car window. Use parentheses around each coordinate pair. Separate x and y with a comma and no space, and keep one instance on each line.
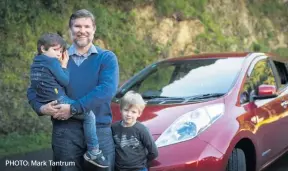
(282,73)
(261,74)
(161,76)
(181,79)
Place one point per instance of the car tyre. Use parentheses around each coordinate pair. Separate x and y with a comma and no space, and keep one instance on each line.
(237,161)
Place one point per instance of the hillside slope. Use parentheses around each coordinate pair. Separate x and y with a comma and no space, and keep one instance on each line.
(138,31)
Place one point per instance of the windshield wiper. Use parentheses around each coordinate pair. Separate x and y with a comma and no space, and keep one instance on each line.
(162,97)
(205,96)
(201,96)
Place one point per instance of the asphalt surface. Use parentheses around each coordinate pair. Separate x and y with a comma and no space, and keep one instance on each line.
(46,155)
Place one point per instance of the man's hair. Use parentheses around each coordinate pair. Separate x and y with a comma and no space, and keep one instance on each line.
(83,13)
(132,98)
(49,40)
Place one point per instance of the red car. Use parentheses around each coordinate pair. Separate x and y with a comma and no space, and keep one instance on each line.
(214,112)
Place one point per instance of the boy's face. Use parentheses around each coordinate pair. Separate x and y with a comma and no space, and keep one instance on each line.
(130,115)
(54,51)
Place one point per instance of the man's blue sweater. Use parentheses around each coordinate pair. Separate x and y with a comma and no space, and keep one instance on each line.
(92,84)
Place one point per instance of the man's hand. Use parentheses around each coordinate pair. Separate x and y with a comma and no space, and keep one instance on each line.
(49,109)
(63,113)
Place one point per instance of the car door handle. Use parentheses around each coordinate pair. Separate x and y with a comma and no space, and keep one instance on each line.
(284,104)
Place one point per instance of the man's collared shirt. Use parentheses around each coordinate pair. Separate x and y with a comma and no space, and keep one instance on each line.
(78,58)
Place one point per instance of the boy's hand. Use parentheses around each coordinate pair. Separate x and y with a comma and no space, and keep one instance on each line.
(64,60)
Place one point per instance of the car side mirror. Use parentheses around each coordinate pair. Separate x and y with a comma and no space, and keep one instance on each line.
(265,92)
(244,97)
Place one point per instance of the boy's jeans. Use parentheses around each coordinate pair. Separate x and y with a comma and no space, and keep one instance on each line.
(89,125)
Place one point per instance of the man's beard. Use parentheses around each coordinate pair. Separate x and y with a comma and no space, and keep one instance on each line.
(82,42)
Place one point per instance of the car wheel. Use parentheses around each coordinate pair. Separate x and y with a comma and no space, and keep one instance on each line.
(237,161)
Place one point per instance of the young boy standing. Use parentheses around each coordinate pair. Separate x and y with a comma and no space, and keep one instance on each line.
(49,77)
(133,142)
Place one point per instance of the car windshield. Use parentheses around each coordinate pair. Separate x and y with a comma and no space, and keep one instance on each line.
(196,78)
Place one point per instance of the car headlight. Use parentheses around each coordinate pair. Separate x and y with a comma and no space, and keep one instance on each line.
(190,124)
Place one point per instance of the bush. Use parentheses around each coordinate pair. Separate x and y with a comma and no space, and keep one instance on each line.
(260,47)
(189,9)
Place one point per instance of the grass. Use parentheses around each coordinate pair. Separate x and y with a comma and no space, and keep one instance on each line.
(18,144)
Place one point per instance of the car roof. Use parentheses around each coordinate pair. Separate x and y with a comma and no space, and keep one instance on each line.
(226,55)
(277,57)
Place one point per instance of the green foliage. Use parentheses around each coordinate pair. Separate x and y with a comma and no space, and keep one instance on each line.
(213,40)
(20,34)
(25,22)
(15,143)
(125,5)
(274,9)
(189,9)
(282,52)
(258,47)
(115,28)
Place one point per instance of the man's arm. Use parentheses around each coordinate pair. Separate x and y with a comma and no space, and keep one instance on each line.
(107,87)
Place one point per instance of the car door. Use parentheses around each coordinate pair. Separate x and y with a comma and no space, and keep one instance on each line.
(266,122)
(281,73)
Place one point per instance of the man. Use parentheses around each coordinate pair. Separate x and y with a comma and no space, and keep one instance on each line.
(94,76)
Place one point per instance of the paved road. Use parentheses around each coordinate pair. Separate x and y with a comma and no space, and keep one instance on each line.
(279,165)
(46,155)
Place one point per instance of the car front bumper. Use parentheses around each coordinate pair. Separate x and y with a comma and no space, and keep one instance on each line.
(190,155)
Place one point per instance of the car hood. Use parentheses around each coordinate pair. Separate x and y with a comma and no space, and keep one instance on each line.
(159,117)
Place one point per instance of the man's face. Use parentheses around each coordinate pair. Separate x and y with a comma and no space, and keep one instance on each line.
(130,115)
(82,31)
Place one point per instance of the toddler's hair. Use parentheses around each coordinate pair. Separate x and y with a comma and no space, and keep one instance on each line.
(49,40)
(132,98)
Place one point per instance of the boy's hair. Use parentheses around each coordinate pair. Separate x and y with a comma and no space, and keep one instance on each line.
(83,13)
(132,98)
(49,40)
